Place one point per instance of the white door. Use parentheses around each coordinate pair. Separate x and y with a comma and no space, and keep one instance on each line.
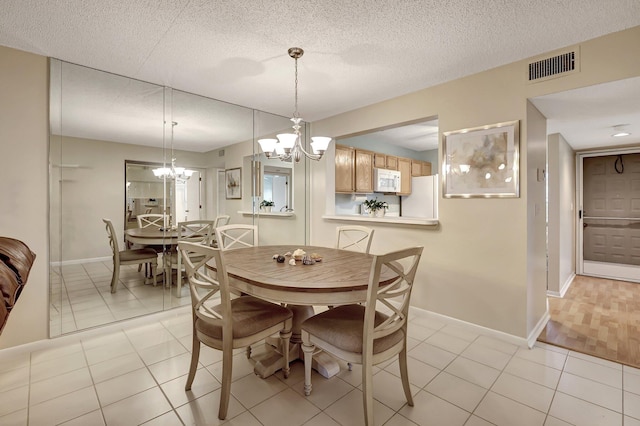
(188,198)
(609,215)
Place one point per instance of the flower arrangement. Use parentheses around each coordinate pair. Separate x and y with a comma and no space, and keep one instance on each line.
(267,203)
(375,205)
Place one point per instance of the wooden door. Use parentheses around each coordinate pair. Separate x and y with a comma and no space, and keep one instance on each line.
(392,162)
(379,160)
(344,169)
(364,171)
(416,168)
(404,166)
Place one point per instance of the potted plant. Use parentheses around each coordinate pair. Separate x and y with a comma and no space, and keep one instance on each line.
(375,207)
(267,205)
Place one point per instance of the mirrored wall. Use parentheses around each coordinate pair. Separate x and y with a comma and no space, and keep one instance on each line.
(109,137)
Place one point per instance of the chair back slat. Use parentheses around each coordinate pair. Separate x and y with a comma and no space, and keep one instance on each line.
(221,220)
(354,238)
(152,220)
(236,236)
(393,298)
(205,287)
(196,231)
(111,233)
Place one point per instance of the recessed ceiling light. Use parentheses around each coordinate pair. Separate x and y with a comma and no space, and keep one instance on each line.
(620,131)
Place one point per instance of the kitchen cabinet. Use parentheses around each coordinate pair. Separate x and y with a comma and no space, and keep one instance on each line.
(379,160)
(354,170)
(345,176)
(392,162)
(404,166)
(420,168)
(364,171)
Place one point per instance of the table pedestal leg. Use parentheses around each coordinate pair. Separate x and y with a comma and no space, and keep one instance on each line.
(272,360)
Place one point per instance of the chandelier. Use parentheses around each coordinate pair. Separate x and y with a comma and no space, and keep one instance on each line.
(173,172)
(289,145)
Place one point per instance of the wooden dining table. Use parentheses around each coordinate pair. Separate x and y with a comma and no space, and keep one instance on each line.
(153,236)
(341,277)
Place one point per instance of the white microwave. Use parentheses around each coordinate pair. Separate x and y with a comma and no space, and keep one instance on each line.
(385,180)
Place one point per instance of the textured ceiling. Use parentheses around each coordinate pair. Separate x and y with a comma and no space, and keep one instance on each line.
(356,52)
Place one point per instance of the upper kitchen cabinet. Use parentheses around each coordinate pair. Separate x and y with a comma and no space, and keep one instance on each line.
(354,170)
(379,160)
(364,171)
(392,162)
(404,166)
(345,176)
(420,168)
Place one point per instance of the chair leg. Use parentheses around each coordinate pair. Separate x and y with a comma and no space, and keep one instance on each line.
(115,277)
(308,349)
(404,375)
(367,391)
(225,391)
(151,269)
(195,355)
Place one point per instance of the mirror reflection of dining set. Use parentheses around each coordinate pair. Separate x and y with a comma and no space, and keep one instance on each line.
(153,245)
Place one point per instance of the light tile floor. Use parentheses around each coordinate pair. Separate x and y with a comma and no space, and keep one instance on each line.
(134,373)
(81,296)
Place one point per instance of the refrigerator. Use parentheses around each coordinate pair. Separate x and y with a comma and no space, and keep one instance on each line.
(423,201)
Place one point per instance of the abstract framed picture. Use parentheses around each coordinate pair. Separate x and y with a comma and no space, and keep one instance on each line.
(482,162)
(233,183)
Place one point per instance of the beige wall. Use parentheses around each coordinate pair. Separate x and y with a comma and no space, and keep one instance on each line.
(483,264)
(562,213)
(24,191)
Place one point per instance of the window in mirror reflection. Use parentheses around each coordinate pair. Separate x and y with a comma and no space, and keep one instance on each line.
(277,187)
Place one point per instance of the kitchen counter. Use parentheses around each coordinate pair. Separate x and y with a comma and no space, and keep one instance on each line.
(385,219)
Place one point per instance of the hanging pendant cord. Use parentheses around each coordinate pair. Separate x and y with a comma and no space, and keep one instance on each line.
(619,167)
(295,113)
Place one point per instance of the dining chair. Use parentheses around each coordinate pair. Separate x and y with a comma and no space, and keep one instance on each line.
(220,220)
(194,231)
(128,257)
(354,238)
(223,323)
(155,220)
(369,334)
(236,235)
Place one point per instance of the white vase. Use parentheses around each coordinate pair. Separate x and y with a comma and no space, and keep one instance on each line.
(267,209)
(380,213)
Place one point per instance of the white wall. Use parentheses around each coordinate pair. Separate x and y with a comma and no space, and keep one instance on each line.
(562,214)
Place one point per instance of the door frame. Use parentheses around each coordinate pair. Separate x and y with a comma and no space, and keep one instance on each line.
(609,272)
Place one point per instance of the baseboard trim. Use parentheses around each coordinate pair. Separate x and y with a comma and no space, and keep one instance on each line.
(533,336)
(78,261)
(565,287)
(489,332)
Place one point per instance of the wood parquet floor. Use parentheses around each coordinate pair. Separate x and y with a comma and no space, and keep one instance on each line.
(599,317)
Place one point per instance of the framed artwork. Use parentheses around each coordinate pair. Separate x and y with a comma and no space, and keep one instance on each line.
(233,183)
(482,162)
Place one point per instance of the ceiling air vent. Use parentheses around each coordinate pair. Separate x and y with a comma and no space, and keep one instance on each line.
(555,66)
